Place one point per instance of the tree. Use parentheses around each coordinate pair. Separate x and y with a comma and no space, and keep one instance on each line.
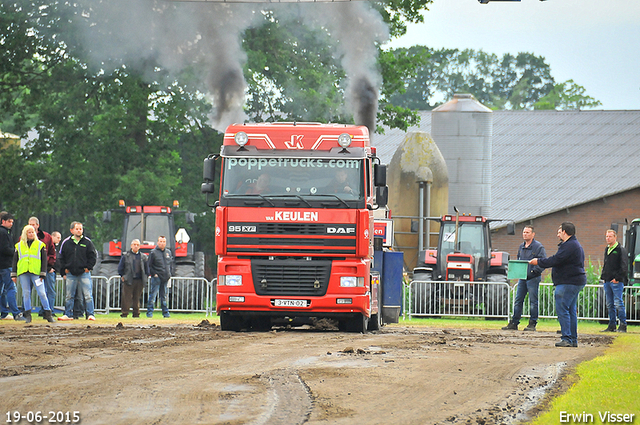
(510,82)
(567,95)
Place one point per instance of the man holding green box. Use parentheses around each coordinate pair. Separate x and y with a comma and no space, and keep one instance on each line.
(528,250)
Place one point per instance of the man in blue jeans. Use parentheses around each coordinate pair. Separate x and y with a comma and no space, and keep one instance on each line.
(7,286)
(529,249)
(77,258)
(160,270)
(569,278)
(614,275)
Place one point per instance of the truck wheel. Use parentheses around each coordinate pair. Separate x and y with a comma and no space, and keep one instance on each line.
(357,324)
(261,324)
(496,300)
(229,322)
(375,321)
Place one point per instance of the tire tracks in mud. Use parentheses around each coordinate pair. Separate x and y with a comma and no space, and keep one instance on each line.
(290,399)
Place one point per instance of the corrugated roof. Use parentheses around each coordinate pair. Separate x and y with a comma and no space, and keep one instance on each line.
(546,161)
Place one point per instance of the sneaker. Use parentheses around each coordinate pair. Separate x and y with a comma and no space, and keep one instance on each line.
(622,328)
(64,318)
(91,317)
(166,315)
(7,317)
(564,343)
(19,317)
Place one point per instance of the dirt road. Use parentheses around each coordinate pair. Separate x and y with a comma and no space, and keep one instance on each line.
(179,374)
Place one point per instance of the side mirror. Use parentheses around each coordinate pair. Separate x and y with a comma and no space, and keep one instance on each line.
(379,175)
(106,216)
(208,187)
(382,196)
(209,168)
(511,228)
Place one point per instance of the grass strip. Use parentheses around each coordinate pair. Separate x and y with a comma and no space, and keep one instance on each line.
(607,385)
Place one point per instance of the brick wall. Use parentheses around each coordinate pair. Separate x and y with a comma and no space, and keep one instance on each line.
(591,220)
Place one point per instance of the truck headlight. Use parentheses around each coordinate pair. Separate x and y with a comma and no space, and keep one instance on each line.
(351,281)
(344,140)
(230,280)
(241,138)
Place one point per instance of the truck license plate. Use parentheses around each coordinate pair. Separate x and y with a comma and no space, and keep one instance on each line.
(290,303)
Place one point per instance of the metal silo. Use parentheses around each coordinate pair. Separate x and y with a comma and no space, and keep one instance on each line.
(416,161)
(463,129)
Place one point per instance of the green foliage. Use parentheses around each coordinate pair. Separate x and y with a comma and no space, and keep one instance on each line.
(523,81)
(567,95)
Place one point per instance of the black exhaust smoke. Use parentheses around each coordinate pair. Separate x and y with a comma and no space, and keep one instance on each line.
(365,98)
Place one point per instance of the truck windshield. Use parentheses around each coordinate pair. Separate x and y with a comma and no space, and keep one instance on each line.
(155,225)
(342,178)
(471,240)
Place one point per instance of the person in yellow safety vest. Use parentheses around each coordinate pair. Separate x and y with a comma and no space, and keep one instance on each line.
(30,266)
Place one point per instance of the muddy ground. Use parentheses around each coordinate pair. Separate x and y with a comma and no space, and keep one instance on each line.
(137,373)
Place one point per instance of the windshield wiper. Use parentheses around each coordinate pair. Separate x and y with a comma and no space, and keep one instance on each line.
(250,196)
(293,195)
(332,196)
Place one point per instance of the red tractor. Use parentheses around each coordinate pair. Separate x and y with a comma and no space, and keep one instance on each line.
(146,223)
(456,277)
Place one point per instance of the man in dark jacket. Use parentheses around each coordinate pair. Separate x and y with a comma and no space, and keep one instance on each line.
(133,270)
(7,287)
(160,270)
(77,258)
(529,249)
(569,278)
(614,274)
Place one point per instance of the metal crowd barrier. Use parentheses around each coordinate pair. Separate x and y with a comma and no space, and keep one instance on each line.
(591,303)
(440,298)
(184,295)
(496,300)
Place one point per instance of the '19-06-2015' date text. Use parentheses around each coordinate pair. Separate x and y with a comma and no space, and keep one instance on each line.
(51,417)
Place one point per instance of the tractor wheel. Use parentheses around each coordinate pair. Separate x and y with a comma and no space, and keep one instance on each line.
(423,294)
(188,293)
(101,286)
(496,299)
(185,270)
(198,258)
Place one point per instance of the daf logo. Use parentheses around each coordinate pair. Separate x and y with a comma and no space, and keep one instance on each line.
(341,230)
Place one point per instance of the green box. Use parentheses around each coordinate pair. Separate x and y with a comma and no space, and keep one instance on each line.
(518,269)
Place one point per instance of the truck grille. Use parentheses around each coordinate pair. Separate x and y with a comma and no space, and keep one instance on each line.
(291,277)
(291,238)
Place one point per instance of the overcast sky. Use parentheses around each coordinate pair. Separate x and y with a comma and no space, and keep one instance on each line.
(595,43)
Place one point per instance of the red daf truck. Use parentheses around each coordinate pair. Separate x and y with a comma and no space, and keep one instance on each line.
(295,224)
